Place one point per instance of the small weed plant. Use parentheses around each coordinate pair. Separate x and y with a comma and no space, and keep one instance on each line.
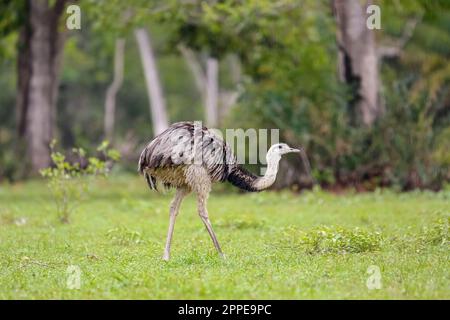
(331,240)
(70,181)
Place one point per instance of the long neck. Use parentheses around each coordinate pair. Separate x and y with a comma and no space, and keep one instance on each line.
(269,177)
(246,180)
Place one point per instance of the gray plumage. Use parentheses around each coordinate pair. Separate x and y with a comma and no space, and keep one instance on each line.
(190,158)
(181,146)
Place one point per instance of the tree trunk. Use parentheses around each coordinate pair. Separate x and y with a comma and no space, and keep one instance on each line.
(157,103)
(196,68)
(217,102)
(228,98)
(111,93)
(23,74)
(212,92)
(46,43)
(358,60)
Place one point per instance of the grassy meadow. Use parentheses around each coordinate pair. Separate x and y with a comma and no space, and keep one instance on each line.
(279,245)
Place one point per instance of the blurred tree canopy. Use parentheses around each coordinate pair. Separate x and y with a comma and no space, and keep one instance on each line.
(288,52)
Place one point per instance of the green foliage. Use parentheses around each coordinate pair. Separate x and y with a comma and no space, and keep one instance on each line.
(12,17)
(288,54)
(331,240)
(441,153)
(294,87)
(408,140)
(70,182)
(9,167)
(437,233)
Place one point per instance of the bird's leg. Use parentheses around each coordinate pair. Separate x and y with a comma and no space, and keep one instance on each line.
(174,208)
(203,212)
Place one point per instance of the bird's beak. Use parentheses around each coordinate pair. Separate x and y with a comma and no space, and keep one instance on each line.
(294,150)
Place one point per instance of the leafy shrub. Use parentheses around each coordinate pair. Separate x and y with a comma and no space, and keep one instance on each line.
(410,140)
(331,240)
(435,233)
(69,182)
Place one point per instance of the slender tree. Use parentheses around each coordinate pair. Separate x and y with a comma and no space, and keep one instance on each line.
(154,89)
(40,49)
(216,100)
(23,71)
(212,92)
(358,60)
(111,93)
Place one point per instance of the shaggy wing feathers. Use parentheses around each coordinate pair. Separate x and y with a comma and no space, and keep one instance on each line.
(175,147)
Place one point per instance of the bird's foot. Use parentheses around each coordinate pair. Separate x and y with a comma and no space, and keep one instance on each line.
(166,256)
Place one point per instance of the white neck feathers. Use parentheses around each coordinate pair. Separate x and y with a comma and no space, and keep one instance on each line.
(271,173)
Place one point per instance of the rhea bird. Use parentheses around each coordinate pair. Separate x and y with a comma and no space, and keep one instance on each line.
(190,158)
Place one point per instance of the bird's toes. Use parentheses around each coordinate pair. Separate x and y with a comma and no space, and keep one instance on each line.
(166,257)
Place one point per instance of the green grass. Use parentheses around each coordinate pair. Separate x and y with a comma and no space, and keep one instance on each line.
(313,245)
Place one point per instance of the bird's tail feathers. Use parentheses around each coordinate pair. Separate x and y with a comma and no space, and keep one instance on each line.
(151,181)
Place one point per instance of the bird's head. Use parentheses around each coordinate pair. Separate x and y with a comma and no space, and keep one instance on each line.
(279,149)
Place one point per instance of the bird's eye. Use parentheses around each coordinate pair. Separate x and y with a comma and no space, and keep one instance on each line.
(279,147)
